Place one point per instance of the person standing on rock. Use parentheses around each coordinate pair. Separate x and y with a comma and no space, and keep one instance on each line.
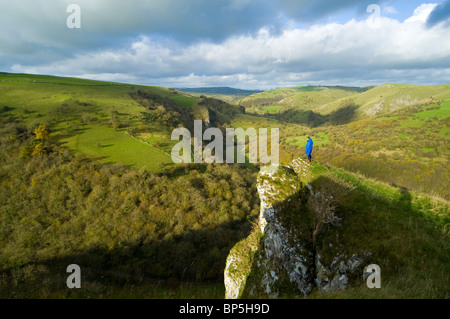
(309,148)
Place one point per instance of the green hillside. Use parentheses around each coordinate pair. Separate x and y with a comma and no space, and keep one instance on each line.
(317,106)
(86,177)
(100,119)
(405,142)
(227,94)
(300,98)
(391,97)
(89,117)
(408,147)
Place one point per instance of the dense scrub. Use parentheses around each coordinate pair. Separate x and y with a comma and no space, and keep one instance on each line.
(408,148)
(58,209)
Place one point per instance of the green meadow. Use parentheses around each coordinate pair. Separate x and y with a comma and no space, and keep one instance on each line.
(78,114)
(113,146)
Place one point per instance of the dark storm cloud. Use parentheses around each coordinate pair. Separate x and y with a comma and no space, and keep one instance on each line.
(184,20)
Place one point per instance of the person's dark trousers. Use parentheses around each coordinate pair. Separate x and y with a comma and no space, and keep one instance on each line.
(309,157)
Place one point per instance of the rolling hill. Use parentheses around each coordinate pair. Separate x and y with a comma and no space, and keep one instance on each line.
(299,103)
(299,98)
(219,91)
(391,97)
(85,177)
(98,118)
(227,94)
(96,187)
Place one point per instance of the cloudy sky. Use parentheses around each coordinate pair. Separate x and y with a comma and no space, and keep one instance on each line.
(252,44)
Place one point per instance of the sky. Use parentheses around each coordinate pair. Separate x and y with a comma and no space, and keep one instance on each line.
(248,44)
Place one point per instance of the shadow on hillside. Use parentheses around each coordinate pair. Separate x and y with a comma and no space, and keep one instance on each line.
(405,197)
(343,115)
(7,117)
(5,109)
(303,117)
(67,132)
(196,257)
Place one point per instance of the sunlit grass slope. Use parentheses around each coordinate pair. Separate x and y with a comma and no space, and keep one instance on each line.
(79,112)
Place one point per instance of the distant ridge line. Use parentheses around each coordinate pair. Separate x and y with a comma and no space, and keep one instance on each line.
(219,90)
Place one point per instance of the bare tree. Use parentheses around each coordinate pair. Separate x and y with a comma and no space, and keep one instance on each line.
(322,210)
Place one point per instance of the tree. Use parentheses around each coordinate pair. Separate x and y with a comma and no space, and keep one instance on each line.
(39,150)
(322,209)
(42,133)
(87,118)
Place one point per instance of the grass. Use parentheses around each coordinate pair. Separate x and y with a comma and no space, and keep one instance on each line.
(116,147)
(303,97)
(104,288)
(443,132)
(408,233)
(389,97)
(319,139)
(185,100)
(441,111)
(30,95)
(271,109)
(63,103)
(301,141)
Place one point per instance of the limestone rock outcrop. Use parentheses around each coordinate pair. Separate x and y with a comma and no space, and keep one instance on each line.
(280,255)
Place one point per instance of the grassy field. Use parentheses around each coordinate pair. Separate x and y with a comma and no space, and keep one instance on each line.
(34,96)
(113,146)
(78,113)
(319,140)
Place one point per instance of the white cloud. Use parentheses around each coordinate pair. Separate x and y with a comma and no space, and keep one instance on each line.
(364,52)
(389,10)
(422,12)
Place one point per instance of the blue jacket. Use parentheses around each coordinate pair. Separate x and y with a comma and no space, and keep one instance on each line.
(309,147)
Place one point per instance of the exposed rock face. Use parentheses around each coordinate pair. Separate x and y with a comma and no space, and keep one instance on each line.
(266,191)
(284,252)
(239,265)
(336,276)
(234,279)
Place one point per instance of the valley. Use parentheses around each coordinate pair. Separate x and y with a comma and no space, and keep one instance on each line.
(86,177)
